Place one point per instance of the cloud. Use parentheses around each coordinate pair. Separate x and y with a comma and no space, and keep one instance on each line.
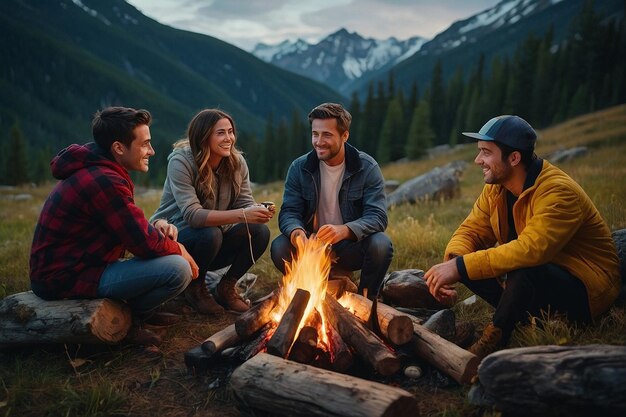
(245,23)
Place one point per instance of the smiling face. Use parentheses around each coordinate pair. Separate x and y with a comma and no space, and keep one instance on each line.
(135,158)
(221,142)
(489,158)
(327,141)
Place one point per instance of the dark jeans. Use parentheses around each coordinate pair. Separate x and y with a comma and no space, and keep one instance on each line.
(528,291)
(371,255)
(213,249)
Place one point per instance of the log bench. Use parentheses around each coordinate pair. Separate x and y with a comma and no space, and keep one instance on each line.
(26,319)
(554,380)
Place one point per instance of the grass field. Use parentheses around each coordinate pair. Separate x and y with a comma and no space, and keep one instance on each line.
(124,380)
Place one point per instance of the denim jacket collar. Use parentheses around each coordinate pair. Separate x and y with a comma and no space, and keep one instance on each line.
(353,162)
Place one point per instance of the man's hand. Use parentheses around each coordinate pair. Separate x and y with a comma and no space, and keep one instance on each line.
(166,229)
(440,278)
(297,234)
(332,233)
(194,266)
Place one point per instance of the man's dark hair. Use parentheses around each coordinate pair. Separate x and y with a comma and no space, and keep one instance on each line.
(117,124)
(527,156)
(332,111)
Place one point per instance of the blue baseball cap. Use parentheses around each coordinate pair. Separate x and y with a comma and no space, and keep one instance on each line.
(512,131)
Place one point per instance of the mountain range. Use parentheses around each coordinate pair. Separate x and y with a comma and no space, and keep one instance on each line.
(348,62)
(340,58)
(62,60)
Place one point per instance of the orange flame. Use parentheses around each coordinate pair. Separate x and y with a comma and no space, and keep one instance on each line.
(309,271)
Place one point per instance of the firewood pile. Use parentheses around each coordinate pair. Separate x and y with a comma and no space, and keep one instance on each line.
(299,344)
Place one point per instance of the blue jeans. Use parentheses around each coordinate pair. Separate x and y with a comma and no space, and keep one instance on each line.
(145,284)
(213,249)
(371,255)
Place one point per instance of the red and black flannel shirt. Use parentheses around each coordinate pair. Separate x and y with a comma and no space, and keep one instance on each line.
(87,222)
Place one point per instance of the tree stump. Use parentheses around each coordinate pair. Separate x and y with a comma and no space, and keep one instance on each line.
(286,388)
(554,380)
(26,319)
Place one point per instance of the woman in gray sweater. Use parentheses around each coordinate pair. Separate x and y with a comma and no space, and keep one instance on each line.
(207,196)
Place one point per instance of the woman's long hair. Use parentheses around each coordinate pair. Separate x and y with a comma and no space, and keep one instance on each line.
(198,133)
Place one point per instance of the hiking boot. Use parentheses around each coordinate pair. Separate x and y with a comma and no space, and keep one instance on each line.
(489,342)
(198,296)
(137,335)
(465,334)
(162,318)
(226,295)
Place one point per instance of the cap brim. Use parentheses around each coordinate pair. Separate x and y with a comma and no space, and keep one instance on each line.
(477,136)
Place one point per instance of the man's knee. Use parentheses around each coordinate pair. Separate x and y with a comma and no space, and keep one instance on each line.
(379,247)
(281,252)
(178,271)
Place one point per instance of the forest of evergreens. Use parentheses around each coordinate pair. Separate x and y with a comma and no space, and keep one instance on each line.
(541,82)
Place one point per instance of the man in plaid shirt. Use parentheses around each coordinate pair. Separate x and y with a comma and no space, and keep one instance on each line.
(90,219)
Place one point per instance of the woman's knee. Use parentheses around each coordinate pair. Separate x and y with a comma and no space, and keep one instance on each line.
(260,234)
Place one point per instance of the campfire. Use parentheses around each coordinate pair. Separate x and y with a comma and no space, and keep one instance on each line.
(312,328)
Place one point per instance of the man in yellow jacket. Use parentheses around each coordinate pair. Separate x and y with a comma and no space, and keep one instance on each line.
(533,241)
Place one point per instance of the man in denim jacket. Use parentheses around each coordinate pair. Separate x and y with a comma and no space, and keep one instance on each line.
(336,192)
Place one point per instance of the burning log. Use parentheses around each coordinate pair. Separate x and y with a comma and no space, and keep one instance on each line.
(355,334)
(450,359)
(283,337)
(336,287)
(341,355)
(304,348)
(257,344)
(255,318)
(395,326)
(221,340)
(271,384)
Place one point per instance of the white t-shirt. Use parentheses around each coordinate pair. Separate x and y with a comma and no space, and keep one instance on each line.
(328,211)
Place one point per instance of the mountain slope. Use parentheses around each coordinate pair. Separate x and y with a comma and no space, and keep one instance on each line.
(63,60)
(496,31)
(340,58)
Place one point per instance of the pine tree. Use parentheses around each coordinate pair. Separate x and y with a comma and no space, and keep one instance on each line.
(17,161)
(421,136)
(438,104)
(391,144)
(355,111)
(368,136)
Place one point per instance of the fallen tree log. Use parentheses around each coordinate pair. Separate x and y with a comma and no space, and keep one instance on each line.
(450,359)
(396,327)
(26,319)
(554,380)
(444,355)
(363,341)
(285,388)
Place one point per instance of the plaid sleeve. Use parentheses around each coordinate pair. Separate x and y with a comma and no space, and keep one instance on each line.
(113,200)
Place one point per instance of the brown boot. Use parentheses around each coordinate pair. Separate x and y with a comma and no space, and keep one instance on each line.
(137,335)
(489,342)
(228,297)
(198,296)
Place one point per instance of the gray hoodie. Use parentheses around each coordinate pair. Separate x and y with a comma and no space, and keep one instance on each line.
(180,203)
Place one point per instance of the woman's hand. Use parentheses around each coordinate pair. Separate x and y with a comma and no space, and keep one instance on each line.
(257,214)
(167,229)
